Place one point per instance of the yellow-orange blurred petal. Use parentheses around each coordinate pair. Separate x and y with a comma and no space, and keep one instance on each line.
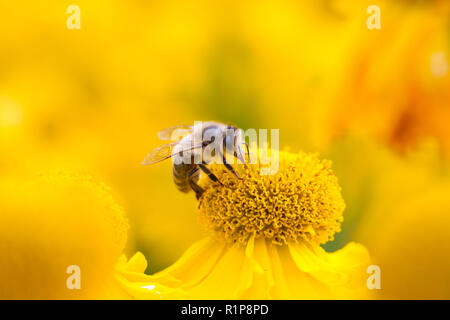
(51,223)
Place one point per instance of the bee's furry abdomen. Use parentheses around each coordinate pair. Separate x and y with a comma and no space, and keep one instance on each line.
(180,176)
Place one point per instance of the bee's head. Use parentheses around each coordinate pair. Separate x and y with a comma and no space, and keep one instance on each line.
(222,140)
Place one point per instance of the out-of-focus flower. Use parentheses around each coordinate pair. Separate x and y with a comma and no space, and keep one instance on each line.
(266,232)
(56,221)
(413,251)
(397,206)
(395,82)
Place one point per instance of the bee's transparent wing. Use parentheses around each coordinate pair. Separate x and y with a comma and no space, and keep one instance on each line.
(174,133)
(164,152)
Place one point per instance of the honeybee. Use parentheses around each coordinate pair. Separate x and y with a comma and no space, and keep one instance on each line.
(194,147)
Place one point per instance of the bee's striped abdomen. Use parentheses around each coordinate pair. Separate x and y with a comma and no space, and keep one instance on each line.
(180,176)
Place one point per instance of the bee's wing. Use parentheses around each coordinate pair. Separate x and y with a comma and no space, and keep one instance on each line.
(174,133)
(164,152)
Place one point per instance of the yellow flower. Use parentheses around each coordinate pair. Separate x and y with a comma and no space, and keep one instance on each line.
(265,240)
(54,222)
(302,202)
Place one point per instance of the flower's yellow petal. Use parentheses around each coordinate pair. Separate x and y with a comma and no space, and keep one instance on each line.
(188,268)
(131,278)
(261,270)
(134,268)
(232,273)
(262,255)
(316,262)
(249,253)
(351,263)
(343,271)
(280,289)
(251,266)
(137,263)
(301,285)
(306,258)
(148,290)
(262,276)
(205,271)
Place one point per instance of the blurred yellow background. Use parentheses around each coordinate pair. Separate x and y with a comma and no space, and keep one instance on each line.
(376,102)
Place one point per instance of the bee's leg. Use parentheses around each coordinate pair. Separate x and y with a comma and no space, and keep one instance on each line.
(239,155)
(211,175)
(229,167)
(247,149)
(194,186)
